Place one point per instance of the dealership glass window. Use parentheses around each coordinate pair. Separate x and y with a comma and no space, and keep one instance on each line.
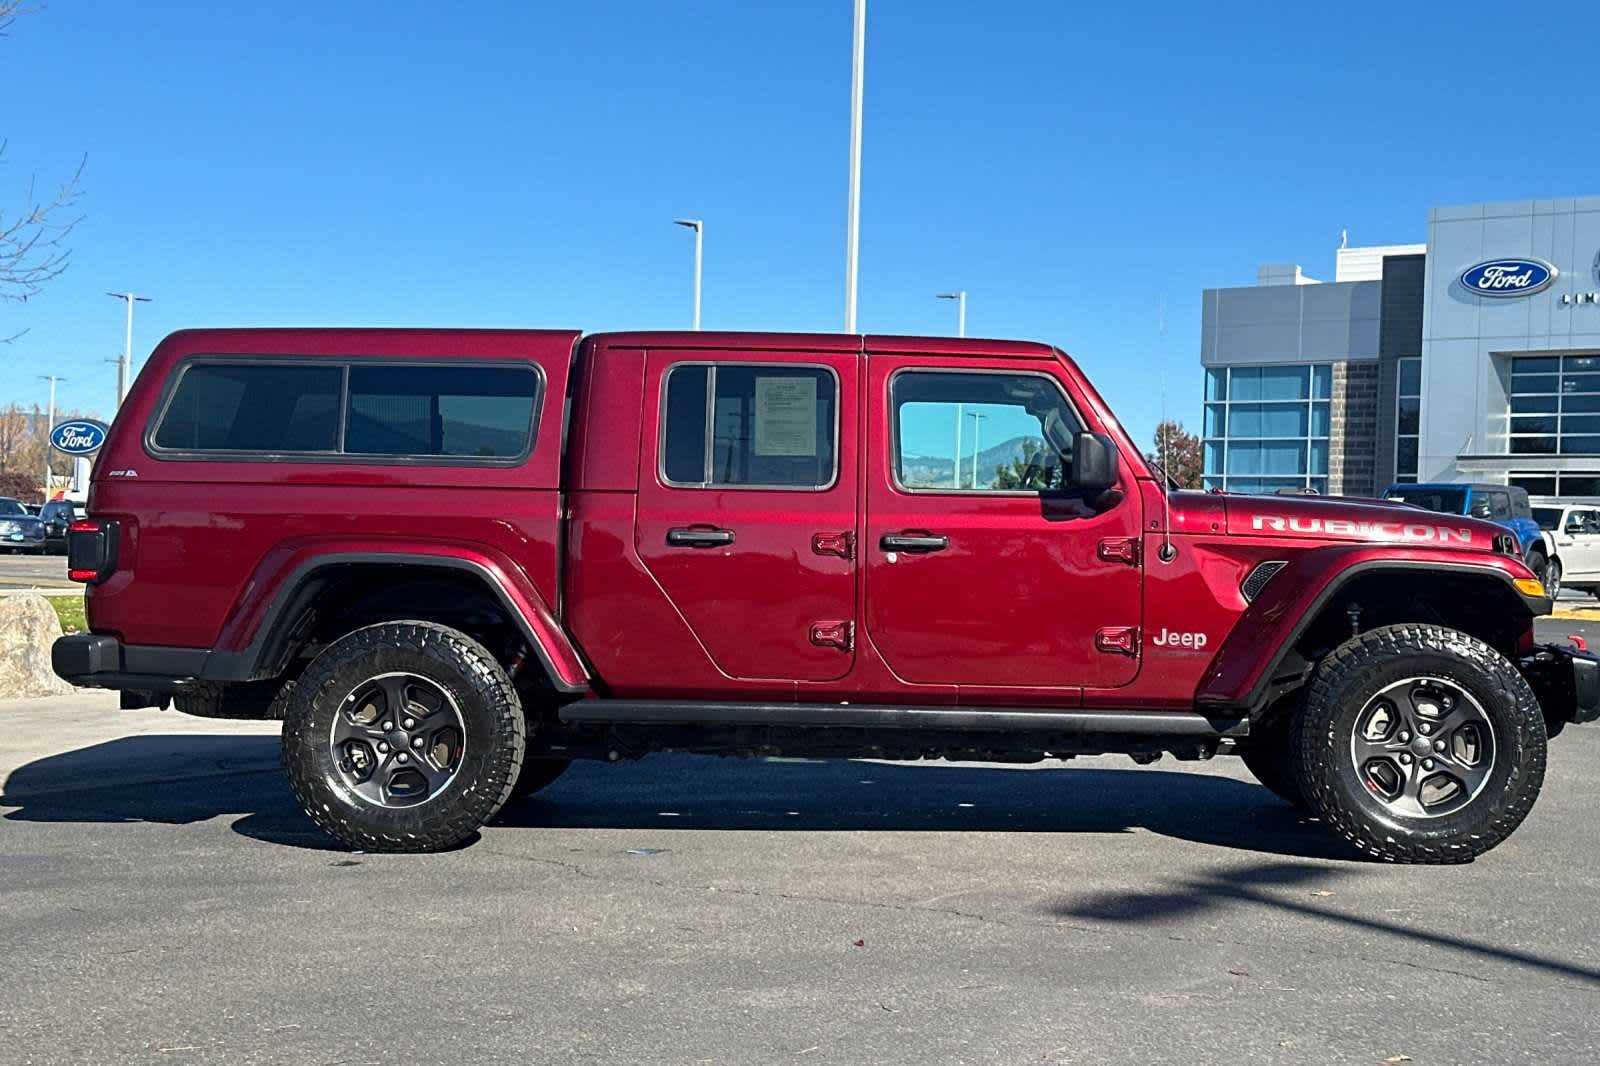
(1267,427)
(271,408)
(749,425)
(474,411)
(1542,484)
(1407,417)
(980,432)
(1553,405)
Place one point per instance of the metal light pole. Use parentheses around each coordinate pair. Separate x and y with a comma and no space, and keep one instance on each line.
(127,342)
(50,423)
(977,440)
(960,297)
(852,230)
(699,241)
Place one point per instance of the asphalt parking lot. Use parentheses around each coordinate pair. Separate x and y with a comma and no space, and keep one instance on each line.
(33,571)
(163,900)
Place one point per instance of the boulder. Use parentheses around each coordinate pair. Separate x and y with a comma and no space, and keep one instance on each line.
(28,626)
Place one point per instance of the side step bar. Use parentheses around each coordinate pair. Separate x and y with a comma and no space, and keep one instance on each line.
(866,715)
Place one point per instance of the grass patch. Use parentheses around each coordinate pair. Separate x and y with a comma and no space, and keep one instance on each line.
(70,610)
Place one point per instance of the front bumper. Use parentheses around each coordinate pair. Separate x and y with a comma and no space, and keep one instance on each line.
(1567,682)
(22,538)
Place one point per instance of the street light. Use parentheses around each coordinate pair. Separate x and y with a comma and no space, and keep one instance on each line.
(960,297)
(977,434)
(699,240)
(50,420)
(852,229)
(127,342)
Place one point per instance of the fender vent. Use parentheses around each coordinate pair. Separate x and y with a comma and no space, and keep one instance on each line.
(1506,544)
(1259,577)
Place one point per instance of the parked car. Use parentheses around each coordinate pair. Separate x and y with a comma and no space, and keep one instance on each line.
(1505,505)
(1571,529)
(19,530)
(768,544)
(58,516)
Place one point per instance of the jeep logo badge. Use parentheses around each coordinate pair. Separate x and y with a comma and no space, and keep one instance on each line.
(1501,278)
(79,436)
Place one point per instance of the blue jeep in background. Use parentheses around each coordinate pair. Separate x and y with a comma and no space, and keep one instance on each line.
(1506,505)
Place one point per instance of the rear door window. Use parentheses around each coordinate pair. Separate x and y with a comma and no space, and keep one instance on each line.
(240,407)
(742,425)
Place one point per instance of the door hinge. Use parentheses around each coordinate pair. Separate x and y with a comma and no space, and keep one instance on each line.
(841,544)
(1120,550)
(1124,640)
(841,635)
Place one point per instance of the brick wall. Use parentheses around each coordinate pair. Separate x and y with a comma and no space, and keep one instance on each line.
(1353,416)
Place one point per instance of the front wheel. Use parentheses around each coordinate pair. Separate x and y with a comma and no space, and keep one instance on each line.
(404,736)
(1552,578)
(1420,744)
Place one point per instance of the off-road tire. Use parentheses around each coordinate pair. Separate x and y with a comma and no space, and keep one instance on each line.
(1362,667)
(495,736)
(260,701)
(1266,754)
(537,775)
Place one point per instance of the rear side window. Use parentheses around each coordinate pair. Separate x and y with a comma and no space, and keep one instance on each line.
(457,413)
(750,426)
(255,408)
(433,410)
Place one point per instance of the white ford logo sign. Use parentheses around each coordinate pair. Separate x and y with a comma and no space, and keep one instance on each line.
(1508,277)
(80,436)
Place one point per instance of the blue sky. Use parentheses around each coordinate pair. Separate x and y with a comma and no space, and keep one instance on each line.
(519,164)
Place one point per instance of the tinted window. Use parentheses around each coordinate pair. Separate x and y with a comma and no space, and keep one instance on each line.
(1548,517)
(980,432)
(769,425)
(1445,501)
(483,412)
(260,408)
(1499,506)
(12,508)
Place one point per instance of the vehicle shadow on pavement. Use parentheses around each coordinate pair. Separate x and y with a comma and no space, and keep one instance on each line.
(1263,885)
(186,778)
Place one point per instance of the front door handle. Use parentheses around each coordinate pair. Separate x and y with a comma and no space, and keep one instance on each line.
(699,537)
(913,542)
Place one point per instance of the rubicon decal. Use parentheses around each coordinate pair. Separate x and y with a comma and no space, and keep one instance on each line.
(1362,529)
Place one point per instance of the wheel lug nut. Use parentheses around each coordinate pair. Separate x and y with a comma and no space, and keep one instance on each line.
(388,725)
(416,742)
(1427,764)
(1438,745)
(409,722)
(1405,757)
(383,746)
(1424,728)
(1404,736)
(404,757)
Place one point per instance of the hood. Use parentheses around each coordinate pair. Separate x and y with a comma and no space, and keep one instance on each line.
(1318,518)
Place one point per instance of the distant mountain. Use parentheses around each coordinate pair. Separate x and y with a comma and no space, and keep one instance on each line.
(932,471)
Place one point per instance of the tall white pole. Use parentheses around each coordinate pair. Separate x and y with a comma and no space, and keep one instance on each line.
(977,440)
(50,425)
(699,228)
(959,413)
(961,313)
(127,342)
(852,235)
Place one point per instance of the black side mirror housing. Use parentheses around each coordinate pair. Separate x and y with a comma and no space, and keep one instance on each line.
(1094,462)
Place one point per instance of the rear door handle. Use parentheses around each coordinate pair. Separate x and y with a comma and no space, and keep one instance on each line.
(699,537)
(913,542)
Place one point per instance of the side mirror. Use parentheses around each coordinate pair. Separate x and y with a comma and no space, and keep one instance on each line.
(1094,462)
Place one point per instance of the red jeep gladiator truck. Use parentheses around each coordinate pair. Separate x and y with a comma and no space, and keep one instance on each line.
(452,561)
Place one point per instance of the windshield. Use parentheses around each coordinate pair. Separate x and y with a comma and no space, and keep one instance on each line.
(12,507)
(1547,517)
(1445,501)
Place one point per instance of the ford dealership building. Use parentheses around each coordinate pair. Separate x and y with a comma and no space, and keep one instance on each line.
(1473,357)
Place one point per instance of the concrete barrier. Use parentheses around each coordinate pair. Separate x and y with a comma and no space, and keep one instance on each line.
(28,626)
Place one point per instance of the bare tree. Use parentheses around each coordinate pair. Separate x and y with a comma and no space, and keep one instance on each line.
(33,246)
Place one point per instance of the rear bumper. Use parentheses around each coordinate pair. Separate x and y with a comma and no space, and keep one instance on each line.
(95,661)
(1567,682)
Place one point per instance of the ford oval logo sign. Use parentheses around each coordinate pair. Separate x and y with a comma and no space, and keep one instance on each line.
(1500,278)
(80,436)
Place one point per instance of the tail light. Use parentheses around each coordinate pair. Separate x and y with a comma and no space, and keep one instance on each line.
(91,550)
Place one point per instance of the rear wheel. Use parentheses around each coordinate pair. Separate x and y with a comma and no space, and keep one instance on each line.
(1552,578)
(405,736)
(1420,744)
